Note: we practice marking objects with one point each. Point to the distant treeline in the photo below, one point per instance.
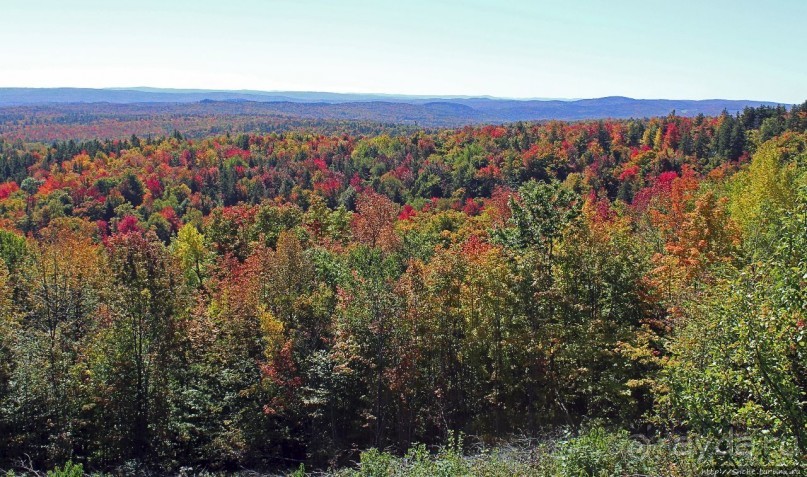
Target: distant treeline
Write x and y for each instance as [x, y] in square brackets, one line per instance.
[88, 120]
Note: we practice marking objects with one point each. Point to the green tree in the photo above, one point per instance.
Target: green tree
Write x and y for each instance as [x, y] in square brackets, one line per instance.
[137, 358]
[60, 294]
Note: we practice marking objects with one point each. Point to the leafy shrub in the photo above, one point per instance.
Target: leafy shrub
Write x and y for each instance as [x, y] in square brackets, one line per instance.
[69, 470]
[600, 453]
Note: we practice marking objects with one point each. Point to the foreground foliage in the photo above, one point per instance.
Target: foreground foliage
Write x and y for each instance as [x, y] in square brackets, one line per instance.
[596, 452]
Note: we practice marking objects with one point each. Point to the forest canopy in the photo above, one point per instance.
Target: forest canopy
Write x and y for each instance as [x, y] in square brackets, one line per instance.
[265, 300]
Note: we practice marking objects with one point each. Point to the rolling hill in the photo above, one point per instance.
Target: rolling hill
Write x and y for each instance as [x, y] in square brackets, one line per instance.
[420, 110]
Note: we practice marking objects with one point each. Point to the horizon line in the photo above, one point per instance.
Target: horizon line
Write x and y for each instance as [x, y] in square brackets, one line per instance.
[178, 90]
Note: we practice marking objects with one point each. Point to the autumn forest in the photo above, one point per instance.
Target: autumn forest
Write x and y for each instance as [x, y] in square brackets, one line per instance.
[598, 297]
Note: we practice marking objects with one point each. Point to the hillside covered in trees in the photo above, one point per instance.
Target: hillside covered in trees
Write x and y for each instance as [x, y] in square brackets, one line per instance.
[80, 114]
[266, 300]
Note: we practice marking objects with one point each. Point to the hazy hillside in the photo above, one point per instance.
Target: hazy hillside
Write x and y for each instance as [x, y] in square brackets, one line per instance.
[426, 111]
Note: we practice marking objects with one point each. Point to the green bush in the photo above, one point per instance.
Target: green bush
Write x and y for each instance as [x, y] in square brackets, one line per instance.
[69, 470]
[374, 463]
[598, 453]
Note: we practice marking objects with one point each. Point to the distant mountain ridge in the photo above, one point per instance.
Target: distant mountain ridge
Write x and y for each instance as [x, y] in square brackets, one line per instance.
[22, 96]
[422, 110]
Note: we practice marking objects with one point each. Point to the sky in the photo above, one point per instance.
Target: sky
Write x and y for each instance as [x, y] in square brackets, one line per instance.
[679, 49]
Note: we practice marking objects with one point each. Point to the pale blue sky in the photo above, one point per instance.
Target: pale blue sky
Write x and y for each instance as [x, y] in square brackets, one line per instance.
[736, 49]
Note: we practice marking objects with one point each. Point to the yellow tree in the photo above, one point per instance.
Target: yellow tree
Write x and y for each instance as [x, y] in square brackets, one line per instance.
[189, 247]
[767, 187]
